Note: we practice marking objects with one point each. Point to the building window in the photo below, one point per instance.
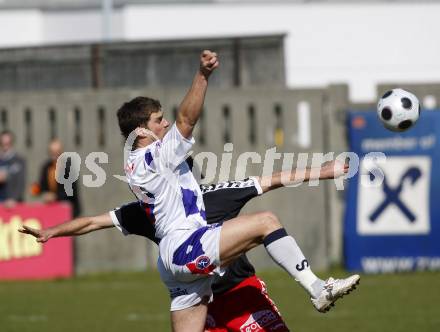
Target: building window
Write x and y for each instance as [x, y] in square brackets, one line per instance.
[52, 123]
[227, 124]
[101, 126]
[278, 131]
[28, 127]
[4, 119]
[77, 139]
[252, 120]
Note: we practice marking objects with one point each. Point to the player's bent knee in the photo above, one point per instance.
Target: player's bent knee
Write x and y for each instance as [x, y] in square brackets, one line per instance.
[269, 222]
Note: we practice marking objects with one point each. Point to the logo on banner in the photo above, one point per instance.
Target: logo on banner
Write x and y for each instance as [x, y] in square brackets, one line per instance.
[392, 195]
[400, 204]
[15, 245]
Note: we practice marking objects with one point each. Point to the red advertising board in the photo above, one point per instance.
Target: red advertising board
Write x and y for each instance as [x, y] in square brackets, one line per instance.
[21, 257]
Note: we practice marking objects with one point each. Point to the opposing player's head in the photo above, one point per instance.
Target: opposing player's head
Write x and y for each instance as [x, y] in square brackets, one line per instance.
[142, 112]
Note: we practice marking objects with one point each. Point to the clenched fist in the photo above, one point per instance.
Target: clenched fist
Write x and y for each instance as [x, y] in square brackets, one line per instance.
[208, 62]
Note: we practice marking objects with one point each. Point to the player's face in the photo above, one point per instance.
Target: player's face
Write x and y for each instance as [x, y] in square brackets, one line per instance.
[158, 124]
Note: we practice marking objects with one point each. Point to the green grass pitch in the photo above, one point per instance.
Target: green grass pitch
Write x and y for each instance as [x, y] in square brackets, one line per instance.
[138, 302]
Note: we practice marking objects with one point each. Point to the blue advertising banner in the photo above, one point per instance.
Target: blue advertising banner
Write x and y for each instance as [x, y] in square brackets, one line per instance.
[392, 219]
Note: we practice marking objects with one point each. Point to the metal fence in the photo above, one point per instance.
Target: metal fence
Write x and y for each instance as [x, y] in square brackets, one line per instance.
[247, 61]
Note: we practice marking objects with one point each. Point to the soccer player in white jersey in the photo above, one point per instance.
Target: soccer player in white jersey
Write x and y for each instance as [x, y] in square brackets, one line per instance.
[241, 300]
[190, 251]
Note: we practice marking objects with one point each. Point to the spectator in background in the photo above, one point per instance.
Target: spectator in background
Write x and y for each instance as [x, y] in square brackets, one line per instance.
[50, 189]
[12, 171]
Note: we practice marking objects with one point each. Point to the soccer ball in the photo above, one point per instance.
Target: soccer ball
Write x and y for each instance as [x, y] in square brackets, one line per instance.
[398, 109]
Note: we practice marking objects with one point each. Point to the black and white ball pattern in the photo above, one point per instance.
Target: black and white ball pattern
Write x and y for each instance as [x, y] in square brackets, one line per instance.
[398, 109]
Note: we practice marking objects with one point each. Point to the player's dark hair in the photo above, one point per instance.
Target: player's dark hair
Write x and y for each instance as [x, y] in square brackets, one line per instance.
[136, 113]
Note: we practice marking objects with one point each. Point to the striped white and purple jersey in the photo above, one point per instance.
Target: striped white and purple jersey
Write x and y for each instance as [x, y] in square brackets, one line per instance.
[223, 201]
[159, 177]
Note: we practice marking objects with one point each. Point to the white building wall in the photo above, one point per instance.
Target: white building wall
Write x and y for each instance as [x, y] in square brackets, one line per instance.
[21, 27]
[361, 44]
[74, 26]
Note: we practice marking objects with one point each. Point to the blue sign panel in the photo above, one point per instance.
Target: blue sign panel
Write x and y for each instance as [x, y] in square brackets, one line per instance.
[392, 220]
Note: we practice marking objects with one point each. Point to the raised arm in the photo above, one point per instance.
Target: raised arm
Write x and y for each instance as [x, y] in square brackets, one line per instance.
[192, 104]
[330, 170]
[78, 226]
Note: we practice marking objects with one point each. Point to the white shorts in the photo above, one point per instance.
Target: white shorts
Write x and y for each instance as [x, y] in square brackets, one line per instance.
[187, 261]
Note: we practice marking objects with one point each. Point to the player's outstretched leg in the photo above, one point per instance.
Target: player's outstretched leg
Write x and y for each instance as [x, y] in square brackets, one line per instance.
[243, 233]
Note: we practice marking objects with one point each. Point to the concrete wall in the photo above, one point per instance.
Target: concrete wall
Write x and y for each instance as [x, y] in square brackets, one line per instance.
[301, 209]
[312, 120]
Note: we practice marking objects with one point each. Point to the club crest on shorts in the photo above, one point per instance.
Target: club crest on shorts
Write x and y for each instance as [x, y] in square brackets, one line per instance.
[202, 265]
[202, 262]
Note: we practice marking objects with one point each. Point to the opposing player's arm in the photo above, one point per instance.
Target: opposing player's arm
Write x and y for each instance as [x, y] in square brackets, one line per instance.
[329, 170]
[78, 226]
[192, 104]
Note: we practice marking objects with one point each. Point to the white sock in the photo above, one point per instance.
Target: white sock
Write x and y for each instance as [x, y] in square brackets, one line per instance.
[284, 250]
